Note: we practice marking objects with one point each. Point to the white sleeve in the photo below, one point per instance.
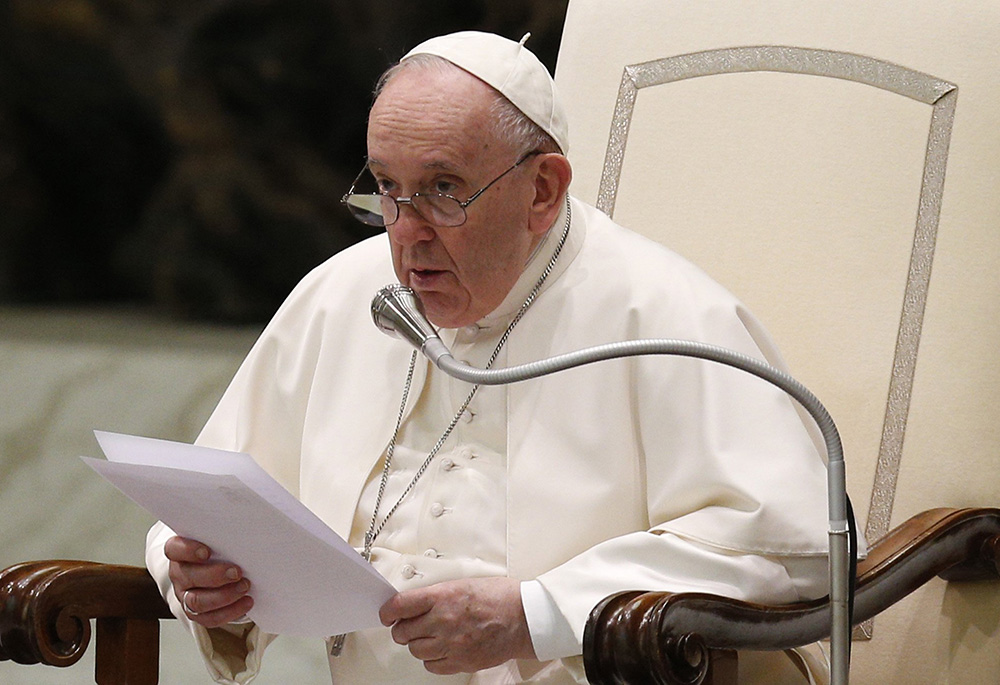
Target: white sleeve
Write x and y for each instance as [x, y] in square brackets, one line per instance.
[551, 635]
[670, 563]
[231, 654]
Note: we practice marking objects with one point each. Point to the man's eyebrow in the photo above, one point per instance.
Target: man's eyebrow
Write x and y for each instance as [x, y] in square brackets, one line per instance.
[436, 165]
[443, 166]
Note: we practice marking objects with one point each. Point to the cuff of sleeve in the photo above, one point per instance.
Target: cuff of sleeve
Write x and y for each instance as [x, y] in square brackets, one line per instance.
[232, 661]
[551, 635]
[235, 661]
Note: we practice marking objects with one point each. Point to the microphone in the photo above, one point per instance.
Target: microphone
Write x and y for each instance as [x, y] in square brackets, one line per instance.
[396, 311]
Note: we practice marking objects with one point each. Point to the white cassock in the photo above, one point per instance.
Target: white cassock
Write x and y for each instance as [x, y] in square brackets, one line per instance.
[655, 473]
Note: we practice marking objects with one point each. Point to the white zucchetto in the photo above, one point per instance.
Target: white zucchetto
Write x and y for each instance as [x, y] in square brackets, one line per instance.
[510, 68]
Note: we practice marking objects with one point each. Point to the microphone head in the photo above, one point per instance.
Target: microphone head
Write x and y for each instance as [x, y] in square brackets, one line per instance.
[396, 311]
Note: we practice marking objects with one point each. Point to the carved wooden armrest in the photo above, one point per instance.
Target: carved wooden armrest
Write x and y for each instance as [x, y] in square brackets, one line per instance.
[642, 637]
[46, 607]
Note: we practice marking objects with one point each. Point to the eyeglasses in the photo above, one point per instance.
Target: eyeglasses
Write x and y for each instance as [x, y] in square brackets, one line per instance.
[381, 209]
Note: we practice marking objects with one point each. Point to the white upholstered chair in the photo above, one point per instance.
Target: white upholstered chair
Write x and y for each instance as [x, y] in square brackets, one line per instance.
[818, 158]
[837, 166]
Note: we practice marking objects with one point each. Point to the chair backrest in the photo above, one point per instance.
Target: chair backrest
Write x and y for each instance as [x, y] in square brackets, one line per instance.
[837, 166]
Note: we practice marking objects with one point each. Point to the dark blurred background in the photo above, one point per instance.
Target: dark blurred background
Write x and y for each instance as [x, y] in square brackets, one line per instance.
[189, 155]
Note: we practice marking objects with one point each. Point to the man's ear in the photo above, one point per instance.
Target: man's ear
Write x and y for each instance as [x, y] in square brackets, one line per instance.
[551, 184]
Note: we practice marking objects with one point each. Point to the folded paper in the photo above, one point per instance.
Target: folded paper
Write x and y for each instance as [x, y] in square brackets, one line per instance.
[306, 580]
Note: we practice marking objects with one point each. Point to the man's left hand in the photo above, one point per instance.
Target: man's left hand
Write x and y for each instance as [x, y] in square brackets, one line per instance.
[461, 626]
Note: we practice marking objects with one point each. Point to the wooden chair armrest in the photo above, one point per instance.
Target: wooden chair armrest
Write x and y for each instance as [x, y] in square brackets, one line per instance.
[46, 607]
[630, 636]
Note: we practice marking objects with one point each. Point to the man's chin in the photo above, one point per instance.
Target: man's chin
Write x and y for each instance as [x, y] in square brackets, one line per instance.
[443, 312]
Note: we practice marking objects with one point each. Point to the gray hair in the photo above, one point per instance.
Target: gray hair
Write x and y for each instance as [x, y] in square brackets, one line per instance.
[510, 124]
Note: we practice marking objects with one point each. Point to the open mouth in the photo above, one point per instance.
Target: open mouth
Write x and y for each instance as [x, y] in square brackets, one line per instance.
[425, 277]
[422, 272]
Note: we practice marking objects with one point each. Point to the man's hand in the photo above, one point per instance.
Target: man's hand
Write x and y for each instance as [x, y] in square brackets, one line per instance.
[461, 626]
[213, 593]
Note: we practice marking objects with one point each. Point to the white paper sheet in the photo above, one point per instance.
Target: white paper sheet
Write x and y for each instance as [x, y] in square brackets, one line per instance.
[305, 579]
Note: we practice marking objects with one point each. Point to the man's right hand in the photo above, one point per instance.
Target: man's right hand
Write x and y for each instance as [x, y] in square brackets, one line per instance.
[213, 593]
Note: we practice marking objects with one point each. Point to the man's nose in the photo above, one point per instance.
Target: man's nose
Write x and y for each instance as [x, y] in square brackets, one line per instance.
[410, 227]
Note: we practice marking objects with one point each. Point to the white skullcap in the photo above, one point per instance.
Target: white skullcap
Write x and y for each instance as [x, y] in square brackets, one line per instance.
[508, 67]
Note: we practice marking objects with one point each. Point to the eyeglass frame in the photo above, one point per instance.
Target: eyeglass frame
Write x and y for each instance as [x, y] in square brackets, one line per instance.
[409, 200]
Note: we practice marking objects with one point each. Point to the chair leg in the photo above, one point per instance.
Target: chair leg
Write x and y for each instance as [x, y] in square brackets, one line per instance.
[128, 652]
[724, 667]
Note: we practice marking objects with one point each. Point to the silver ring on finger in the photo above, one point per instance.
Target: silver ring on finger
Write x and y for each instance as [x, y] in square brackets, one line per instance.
[184, 603]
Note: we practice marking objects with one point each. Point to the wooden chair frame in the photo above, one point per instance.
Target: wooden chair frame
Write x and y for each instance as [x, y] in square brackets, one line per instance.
[46, 608]
[631, 638]
[659, 638]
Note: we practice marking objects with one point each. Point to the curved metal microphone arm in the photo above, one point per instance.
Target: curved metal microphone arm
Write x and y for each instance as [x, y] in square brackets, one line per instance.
[398, 306]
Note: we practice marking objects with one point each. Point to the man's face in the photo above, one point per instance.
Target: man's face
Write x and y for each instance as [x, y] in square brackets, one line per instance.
[429, 131]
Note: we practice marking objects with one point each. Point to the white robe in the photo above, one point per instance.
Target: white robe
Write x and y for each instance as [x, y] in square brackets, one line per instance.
[659, 473]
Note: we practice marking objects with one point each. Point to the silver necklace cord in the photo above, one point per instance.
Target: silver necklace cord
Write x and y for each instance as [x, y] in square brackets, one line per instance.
[376, 526]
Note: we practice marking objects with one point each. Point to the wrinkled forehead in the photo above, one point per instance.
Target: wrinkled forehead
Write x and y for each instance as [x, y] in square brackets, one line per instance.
[428, 79]
[427, 106]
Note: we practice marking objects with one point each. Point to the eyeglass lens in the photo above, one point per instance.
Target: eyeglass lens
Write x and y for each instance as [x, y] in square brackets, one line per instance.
[383, 210]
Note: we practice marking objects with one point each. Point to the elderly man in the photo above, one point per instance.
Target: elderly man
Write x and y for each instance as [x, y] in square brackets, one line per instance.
[504, 514]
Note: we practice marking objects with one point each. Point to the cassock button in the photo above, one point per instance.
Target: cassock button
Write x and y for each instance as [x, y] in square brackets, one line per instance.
[471, 330]
[448, 464]
[437, 509]
[467, 416]
[408, 572]
[431, 553]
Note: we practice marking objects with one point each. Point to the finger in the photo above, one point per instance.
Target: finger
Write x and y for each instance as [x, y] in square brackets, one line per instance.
[406, 631]
[191, 565]
[186, 550]
[443, 667]
[404, 605]
[217, 606]
[212, 574]
[428, 649]
[229, 614]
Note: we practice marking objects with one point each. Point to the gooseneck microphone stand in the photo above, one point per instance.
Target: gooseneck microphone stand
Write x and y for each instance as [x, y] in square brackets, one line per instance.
[396, 311]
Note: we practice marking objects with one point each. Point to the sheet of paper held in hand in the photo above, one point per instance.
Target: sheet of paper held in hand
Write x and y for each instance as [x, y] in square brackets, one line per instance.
[305, 579]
